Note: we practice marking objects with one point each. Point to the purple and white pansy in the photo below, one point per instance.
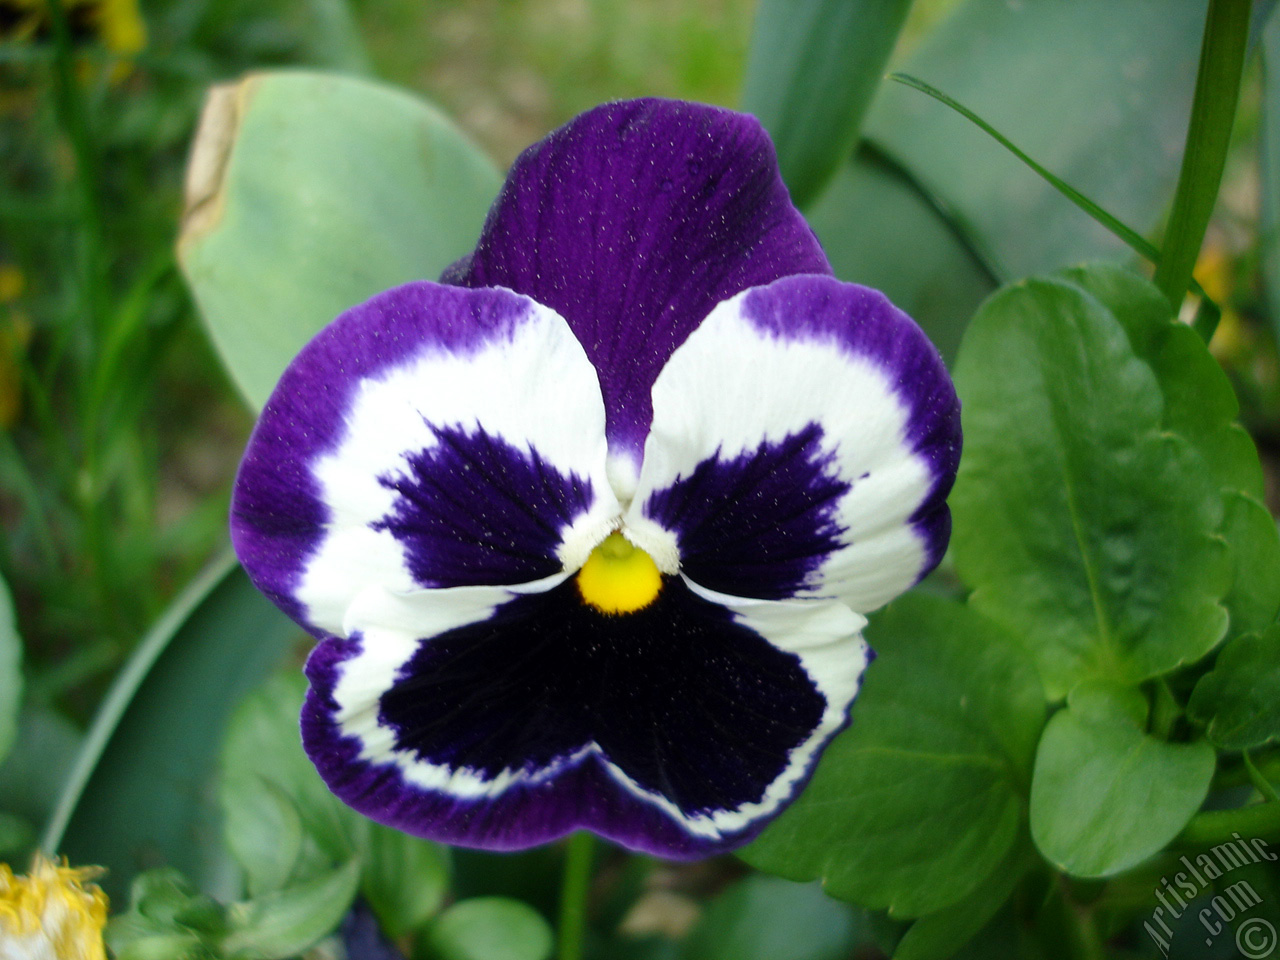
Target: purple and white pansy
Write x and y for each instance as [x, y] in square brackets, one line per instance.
[588, 529]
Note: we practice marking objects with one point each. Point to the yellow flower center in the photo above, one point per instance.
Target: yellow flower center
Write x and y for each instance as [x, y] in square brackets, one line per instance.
[619, 577]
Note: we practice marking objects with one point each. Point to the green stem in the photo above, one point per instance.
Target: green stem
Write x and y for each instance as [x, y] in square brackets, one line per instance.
[1208, 136]
[1165, 710]
[1266, 762]
[1084, 941]
[1260, 782]
[573, 895]
[1259, 820]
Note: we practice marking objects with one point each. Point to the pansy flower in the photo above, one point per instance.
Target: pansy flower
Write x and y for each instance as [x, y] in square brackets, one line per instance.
[588, 529]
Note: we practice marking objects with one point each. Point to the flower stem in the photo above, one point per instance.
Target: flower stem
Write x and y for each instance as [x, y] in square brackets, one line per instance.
[573, 895]
[1260, 820]
[1208, 135]
[1260, 782]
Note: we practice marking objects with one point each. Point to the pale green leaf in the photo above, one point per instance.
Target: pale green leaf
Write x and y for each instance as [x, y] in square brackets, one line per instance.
[307, 194]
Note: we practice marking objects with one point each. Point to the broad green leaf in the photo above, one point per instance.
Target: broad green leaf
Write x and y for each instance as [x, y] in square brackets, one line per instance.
[1081, 522]
[33, 774]
[1199, 401]
[167, 920]
[916, 804]
[812, 70]
[10, 672]
[1254, 600]
[1101, 700]
[1096, 91]
[405, 879]
[1200, 405]
[490, 928]
[879, 231]
[309, 193]
[1238, 701]
[937, 936]
[763, 918]
[263, 831]
[138, 795]
[263, 744]
[130, 943]
[283, 923]
[164, 896]
[1105, 795]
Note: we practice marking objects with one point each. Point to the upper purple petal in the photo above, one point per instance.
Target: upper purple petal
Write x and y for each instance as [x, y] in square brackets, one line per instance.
[632, 222]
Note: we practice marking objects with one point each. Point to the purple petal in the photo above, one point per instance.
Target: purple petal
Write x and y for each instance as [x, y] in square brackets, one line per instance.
[433, 436]
[632, 222]
[804, 441]
[679, 730]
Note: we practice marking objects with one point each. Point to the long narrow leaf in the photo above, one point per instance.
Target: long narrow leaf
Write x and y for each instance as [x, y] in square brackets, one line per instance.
[1207, 317]
[1208, 137]
[138, 795]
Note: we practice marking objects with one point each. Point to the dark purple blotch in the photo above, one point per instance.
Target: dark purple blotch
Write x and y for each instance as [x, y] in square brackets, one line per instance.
[686, 701]
[759, 524]
[474, 509]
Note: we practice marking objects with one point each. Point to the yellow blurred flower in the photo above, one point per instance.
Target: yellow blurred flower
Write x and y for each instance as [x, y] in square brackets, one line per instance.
[52, 914]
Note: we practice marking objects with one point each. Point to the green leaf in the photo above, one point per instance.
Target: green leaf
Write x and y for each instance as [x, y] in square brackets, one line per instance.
[1238, 701]
[1081, 522]
[130, 943]
[263, 831]
[1254, 600]
[351, 186]
[812, 70]
[263, 744]
[33, 775]
[490, 928]
[405, 879]
[1199, 401]
[916, 804]
[10, 672]
[167, 920]
[878, 230]
[1105, 795]
[165, 897]
[1213, 113]
[937, 936]
[1200, 405]
[138, 795]
[1096, 91]
[763, 918]
[265, 769]
[285, 922]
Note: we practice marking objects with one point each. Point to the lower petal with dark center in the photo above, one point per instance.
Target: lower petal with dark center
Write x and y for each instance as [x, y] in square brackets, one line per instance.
[678, 730]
